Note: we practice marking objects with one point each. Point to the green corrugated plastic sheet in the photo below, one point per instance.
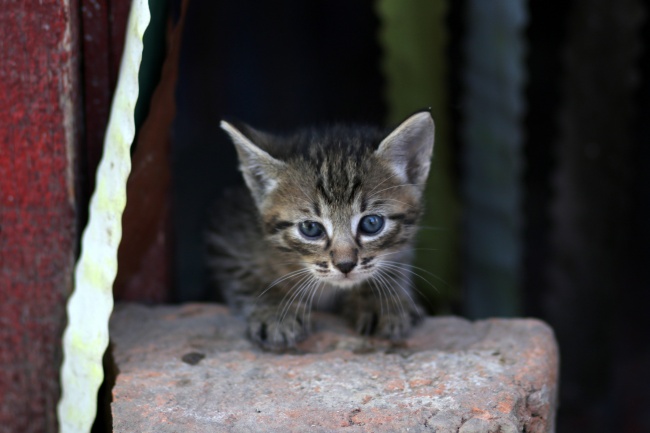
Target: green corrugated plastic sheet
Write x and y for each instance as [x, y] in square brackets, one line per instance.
[90, 305]
[493, 107]
[414, 39]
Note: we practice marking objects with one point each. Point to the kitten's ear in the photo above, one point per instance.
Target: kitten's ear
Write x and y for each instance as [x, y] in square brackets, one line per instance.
[409, 147]
[259, 168]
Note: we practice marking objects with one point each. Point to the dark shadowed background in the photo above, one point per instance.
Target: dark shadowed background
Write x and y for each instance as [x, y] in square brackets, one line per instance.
[538, 202]
[573, 147]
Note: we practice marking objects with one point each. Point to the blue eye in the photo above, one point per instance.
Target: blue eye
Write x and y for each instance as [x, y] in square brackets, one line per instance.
[311, 229]
[371, 224]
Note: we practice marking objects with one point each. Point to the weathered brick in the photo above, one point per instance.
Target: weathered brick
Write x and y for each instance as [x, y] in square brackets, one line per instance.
[189, 369]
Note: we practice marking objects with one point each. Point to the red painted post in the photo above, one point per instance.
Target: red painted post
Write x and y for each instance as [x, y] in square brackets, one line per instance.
[102, 42]
[98, 85]
[39, 118]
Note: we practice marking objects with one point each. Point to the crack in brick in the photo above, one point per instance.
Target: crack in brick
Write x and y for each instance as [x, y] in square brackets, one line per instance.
[351, 415]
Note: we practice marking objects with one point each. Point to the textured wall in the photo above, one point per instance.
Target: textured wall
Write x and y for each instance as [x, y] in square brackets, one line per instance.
[39, 108]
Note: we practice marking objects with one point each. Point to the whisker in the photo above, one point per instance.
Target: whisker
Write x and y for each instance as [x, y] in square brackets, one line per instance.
[294, 295]
[382, 182]
[306, 194]
[398, 201]
[390, 290]
[304, 298]
[419, 269]
[378, 292]
[406, 250]
[404, 291]
[396, 186]
[402, 270]
[412, 285]
[317, 289]
[283, 278]
[304, 303]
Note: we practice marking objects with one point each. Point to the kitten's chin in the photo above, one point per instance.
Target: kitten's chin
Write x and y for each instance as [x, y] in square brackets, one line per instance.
[345, 282]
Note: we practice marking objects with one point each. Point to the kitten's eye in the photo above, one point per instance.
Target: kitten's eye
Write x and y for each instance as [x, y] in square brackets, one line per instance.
[311, 229]
[371, 224]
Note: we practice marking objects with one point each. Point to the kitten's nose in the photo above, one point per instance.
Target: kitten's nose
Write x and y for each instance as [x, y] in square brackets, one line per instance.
[345, 267]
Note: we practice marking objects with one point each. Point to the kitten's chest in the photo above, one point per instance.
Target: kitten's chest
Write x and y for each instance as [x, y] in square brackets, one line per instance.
[328, 298]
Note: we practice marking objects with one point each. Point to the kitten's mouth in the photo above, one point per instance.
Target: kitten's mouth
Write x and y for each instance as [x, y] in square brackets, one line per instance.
[345, 281]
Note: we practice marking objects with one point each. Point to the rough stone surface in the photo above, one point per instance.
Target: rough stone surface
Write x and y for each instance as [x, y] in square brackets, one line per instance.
[189, 369]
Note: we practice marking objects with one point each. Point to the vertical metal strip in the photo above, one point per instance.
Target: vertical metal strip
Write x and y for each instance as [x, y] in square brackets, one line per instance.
[86, 336]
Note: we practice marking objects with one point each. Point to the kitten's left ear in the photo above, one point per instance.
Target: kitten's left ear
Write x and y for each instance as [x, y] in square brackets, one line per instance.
[409, 147]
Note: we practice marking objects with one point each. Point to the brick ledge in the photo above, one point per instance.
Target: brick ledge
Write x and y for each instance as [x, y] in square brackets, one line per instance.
[188, 369]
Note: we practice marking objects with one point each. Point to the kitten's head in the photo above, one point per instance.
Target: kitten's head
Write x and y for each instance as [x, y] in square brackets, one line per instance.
[341, 200]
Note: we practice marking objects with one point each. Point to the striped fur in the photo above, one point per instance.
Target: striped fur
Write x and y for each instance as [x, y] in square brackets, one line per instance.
[273, 273]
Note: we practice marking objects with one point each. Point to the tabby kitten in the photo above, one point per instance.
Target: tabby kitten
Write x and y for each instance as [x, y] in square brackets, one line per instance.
[330, 214]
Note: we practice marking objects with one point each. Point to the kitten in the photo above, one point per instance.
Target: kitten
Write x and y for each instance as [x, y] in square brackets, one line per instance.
[330, 211]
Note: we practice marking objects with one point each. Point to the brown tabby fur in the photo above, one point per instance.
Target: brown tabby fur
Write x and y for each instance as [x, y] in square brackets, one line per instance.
[272, 274]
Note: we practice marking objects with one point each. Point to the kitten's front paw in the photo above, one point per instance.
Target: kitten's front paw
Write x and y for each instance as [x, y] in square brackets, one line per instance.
[393, 325]
[266, 329]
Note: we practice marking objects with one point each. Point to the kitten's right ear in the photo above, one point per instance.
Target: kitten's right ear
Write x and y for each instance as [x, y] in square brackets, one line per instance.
[259, 168]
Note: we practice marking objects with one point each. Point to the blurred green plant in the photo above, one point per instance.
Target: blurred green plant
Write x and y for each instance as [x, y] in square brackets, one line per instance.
[414, 40]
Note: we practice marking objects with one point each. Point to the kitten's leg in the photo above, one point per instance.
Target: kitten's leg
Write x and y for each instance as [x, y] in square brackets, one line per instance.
[277, 321]
[385, 307]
